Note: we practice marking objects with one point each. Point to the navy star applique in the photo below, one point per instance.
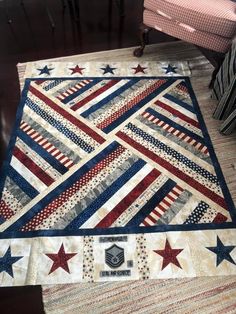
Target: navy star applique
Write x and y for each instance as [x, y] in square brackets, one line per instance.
[169, 255]
[170, 69]
[108, 69]
[139, 69]
[77, 69]
[45, 70]
[60, 259]
[222, 252]
[7, 261]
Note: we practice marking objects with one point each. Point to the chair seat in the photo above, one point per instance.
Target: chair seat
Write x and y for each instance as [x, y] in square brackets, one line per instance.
[212, 16]
[199, 38]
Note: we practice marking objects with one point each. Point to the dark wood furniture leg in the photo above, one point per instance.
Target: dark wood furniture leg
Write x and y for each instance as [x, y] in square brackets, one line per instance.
[144, 32]
[216, 59]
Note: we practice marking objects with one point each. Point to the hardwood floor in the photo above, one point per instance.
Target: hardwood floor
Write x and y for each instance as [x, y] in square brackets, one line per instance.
[27, 34]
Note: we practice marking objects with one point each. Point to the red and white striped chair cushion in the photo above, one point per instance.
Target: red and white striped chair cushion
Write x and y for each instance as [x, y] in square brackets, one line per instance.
[213, 16]
[204, 39]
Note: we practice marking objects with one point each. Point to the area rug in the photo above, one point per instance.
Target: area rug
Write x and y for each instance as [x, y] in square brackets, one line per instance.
[111, 175]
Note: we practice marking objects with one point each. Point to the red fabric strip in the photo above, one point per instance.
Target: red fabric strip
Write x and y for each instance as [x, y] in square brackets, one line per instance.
[128, 200]
[177, 113]
[175, 171]
[96, 93]
[65, 196]
[133, 102]
[67, 115]
[31, 165]
[5, 211]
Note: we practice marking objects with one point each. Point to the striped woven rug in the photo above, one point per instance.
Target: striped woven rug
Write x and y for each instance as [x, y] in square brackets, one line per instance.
[111, 175]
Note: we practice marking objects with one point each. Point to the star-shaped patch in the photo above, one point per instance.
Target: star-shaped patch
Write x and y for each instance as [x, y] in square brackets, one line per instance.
[108, 69]
[60, 259]
[139, 69]
[77, 69]
[7, 261]
[170, 69]
[45, 70]
[222, 252]
[169, 255]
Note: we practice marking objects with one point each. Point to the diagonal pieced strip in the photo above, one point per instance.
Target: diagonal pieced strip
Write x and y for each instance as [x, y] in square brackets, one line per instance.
[174, 170]
[178, 114]
[118, 195]
[125, 202]
[95, 94]
[151, 116]
[103, 197]
[66, 115]
[152, 203]
[162, 207]
[71, 92]
[129, 105]
[36, 214]
[55, 153]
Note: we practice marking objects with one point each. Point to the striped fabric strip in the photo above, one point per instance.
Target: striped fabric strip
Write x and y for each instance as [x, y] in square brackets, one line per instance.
[182, 128]
[105, 100]
[94, 94]
[44, 148]
[66, 115]
[37, 213]
[110, 218]
[182, 136]
[173, 153]
[72, 92]
[117, 120]
[151, 204]
[183, 176]
[162, 207]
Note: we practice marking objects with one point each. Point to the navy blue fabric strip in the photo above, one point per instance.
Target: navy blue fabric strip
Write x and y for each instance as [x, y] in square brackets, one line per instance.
[174, 154]
[116, 230]
[62, 187]
[218, 170]
[105, 100]
[24, 185]
[52, 84]
[179, 102]
[42, 152]
[2, 220]
[59, 126]
[151, 204]
[175, 125]
[139, 105]
[80, 91]
[104, 197]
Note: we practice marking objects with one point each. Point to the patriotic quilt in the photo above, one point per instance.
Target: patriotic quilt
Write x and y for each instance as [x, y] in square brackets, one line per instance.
[111, 175]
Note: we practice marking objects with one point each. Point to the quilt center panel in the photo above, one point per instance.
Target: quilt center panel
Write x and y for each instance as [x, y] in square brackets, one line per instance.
[122, 152]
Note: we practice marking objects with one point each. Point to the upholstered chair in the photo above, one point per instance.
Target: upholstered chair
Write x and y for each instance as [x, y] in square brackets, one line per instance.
[209, 24]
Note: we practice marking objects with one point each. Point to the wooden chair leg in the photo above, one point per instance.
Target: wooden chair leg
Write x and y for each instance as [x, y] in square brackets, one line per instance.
[216, 59]
[144, 32]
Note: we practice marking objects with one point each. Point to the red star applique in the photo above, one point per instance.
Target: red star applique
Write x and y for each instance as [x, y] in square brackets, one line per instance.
[169, 255]
[77, 69]
[60, 259]
[139, 69]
